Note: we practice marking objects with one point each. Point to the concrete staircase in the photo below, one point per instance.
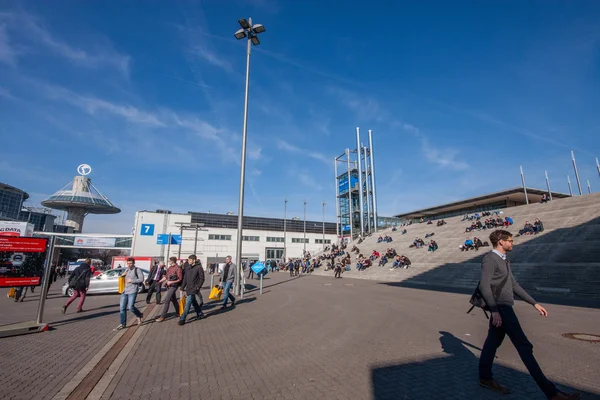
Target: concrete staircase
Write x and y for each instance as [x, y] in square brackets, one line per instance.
[564, 259]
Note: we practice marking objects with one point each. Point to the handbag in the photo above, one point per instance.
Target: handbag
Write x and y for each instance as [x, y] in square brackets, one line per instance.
[215, 293]
[121, 284]
[182, 304]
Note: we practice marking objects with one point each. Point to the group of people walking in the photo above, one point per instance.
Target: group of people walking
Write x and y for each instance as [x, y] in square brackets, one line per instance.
[187, 278]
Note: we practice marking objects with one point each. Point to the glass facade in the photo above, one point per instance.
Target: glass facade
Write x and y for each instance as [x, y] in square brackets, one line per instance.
[260, 223]
[11, 202]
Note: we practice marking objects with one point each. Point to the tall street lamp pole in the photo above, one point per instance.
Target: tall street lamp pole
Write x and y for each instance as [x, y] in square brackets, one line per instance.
[250, 31]
[324, 226]
[284, 229]
[304, 255]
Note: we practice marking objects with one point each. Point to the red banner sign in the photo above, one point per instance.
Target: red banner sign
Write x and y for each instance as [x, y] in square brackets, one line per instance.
[23, 244]
[22, 261]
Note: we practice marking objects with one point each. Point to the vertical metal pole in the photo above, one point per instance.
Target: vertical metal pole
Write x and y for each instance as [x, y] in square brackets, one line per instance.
[360, 183]
[368, 195]
[589, 187]
[373, 180]
[284, 229]
[261, 283]
[196, 240]
[576, 173]
[181, 242]
[323, 226]
[337, 205]
[46, 282]
[598, 166]
[350, 196]
[238, 284]
[169, 248]
[524, 188]
[548, 184]
[304, 229]
[570, 188]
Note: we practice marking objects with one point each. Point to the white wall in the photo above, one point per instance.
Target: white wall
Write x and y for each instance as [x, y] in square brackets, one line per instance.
[145, 245]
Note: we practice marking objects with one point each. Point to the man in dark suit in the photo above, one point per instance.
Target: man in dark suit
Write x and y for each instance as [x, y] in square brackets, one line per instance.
[156, 274]
[498, 287]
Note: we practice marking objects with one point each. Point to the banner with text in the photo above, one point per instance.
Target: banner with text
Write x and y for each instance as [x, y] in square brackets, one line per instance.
[22, 261]
[87, 241]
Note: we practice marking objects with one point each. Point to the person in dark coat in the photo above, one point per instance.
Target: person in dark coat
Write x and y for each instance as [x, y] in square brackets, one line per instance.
[79, 281]
[193, 279]
[157, 272]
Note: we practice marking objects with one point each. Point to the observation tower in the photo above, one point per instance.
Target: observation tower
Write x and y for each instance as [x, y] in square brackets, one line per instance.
[80, 198]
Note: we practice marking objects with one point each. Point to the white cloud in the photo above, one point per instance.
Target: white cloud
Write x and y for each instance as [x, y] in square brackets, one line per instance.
[6, 93]
[365, 107]
[309, 181]
[254, 153]
[101, 56]
[212, 58]
[290, 148]
[444, 157]
[7, 53]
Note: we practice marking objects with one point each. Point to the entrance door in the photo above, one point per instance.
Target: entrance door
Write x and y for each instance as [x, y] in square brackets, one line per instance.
[274, 254]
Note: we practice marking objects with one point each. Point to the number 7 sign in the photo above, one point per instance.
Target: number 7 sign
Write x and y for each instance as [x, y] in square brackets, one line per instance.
[147, 230]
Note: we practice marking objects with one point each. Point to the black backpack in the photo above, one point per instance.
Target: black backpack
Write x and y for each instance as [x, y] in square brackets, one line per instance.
[477, 299]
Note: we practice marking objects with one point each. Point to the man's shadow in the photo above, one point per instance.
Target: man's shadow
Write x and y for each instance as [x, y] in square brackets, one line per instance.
[453, 375]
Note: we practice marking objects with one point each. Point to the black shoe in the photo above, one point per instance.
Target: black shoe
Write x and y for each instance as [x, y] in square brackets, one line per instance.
[223, 307]
[233, 303]
[493, 385]
[199, 316]
[181, 322]
[64, 309]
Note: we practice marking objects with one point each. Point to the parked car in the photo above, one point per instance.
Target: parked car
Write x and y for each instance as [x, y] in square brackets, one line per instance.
[107, 282]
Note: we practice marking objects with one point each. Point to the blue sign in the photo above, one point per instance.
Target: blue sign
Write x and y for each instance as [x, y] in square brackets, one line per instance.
[343, 183]
[260, 269]
[176, 239]
[345, 228]
[147, 230]
[164, 239]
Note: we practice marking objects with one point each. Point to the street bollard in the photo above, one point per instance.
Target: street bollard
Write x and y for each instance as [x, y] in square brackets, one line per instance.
[261, 283]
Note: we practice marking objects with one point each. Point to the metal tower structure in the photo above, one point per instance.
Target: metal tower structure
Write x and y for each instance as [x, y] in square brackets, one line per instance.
[355, 190]
[80, 198]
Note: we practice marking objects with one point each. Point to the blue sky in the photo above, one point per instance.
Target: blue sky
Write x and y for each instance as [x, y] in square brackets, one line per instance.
[458, 95]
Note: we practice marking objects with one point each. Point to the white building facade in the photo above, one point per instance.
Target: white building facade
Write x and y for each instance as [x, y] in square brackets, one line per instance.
[212, 237]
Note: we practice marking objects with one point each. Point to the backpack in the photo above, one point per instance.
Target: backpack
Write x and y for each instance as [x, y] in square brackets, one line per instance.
[477, 299]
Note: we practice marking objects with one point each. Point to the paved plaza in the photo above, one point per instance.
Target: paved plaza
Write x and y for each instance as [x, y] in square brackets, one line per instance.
[304, 338]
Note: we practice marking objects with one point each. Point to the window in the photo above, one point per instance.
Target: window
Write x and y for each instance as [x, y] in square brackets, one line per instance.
[320, 241]
[299, 240]
[275, 239]
[219, 237]
[251, 238]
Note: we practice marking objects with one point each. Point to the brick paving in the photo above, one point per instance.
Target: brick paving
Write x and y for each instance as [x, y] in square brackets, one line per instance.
[317, 337]
[37, 366]
[313, 337]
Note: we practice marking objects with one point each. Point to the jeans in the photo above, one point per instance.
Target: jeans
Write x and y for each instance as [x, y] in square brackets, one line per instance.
[192, 300]
[128, 302]
[226, 294]
[81, 295]
[512, 328]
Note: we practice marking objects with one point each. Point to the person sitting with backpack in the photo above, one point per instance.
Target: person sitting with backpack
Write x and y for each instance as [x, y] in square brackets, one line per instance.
[79, 281]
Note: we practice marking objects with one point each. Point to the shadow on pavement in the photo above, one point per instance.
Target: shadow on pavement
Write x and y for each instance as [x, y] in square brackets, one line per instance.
[82, 317]
[454, 375]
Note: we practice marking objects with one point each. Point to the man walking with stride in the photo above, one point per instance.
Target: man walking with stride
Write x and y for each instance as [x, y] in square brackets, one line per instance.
[133, 279]
[498, 286]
